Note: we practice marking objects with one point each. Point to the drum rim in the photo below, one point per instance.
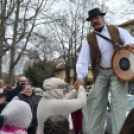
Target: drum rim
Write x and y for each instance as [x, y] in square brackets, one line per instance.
[123, 48]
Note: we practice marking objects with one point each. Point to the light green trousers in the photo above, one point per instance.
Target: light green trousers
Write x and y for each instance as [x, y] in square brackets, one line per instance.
[94, 113]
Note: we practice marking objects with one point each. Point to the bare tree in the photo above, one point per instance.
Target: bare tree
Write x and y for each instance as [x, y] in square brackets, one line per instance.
[67, 28]
[4, 47]
[18, 20]
[69, 34]
[44, 46]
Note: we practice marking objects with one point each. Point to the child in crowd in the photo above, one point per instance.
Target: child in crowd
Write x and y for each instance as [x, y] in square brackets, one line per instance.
[56, 124]
[17, 116]
[38, 93]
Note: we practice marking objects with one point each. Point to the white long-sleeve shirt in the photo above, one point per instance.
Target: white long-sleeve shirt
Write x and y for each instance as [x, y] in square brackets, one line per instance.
[106, 49]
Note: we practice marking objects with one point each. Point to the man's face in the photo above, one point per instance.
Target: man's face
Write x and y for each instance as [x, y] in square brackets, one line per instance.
[2, 83]
[97, 22]
[22, 80]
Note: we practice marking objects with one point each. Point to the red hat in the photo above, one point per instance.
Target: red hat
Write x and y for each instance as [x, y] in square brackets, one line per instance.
[8, 86]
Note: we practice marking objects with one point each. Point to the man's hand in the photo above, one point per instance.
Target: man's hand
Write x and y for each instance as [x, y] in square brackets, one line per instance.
[78, 82]
[2, 100]
[130, 45]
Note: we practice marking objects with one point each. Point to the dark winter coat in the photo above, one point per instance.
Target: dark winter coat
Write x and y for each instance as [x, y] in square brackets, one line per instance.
[13, 92]
[33, 102]
[3, 95]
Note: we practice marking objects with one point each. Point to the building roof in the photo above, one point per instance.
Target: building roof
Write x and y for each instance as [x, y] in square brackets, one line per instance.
[60, 65]
[127, 22]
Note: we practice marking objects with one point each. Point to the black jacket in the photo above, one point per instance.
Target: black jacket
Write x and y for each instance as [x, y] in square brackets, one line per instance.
[3, 95]
[14, 92]
[33, 102]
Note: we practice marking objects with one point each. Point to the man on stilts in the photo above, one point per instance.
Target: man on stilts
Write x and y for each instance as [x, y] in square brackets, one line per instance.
[98, 51]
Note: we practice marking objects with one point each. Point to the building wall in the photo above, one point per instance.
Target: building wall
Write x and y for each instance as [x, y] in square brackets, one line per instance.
[61, 74]
[129, 27]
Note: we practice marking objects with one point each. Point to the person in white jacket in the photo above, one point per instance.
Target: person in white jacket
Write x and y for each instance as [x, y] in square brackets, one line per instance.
[53, 101]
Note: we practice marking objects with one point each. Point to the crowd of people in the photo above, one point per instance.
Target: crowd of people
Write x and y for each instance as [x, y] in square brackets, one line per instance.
[25, 112]
[22, 108]
[19, 116]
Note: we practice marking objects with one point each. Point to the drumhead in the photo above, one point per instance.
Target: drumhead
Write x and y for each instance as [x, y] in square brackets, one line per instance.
[123, 64]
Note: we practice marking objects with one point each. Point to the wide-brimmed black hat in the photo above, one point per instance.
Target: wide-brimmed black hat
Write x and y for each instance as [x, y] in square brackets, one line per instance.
[94, 12]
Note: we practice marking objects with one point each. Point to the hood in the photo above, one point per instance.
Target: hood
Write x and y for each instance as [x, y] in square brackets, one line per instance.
[53, 94]
[21, 92]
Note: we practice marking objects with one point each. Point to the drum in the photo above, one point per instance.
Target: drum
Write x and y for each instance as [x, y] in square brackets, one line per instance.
[123, 63]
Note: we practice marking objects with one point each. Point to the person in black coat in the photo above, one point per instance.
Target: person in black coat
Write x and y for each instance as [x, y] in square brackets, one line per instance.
[15, 91]
[3, 92]
[26, 95]
[2, 119]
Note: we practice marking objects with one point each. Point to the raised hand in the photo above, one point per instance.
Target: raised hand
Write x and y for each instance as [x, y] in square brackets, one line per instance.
[78, 82]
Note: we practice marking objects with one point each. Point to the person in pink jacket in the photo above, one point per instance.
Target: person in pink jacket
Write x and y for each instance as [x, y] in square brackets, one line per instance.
[17, 116]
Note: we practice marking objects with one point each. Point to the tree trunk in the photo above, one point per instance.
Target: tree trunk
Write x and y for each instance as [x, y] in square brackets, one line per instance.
[0, 67]
[85, 82]
[67, 69]
[11, 67]
[75, 75]
[10, 76]
[74, 68]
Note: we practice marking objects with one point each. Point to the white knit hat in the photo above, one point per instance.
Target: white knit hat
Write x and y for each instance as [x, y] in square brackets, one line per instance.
[17, 114]
[54, 83]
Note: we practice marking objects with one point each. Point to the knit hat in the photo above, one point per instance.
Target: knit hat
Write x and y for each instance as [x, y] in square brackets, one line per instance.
[8, 86]
[38, 92]
[17, 114]
[54, 83]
